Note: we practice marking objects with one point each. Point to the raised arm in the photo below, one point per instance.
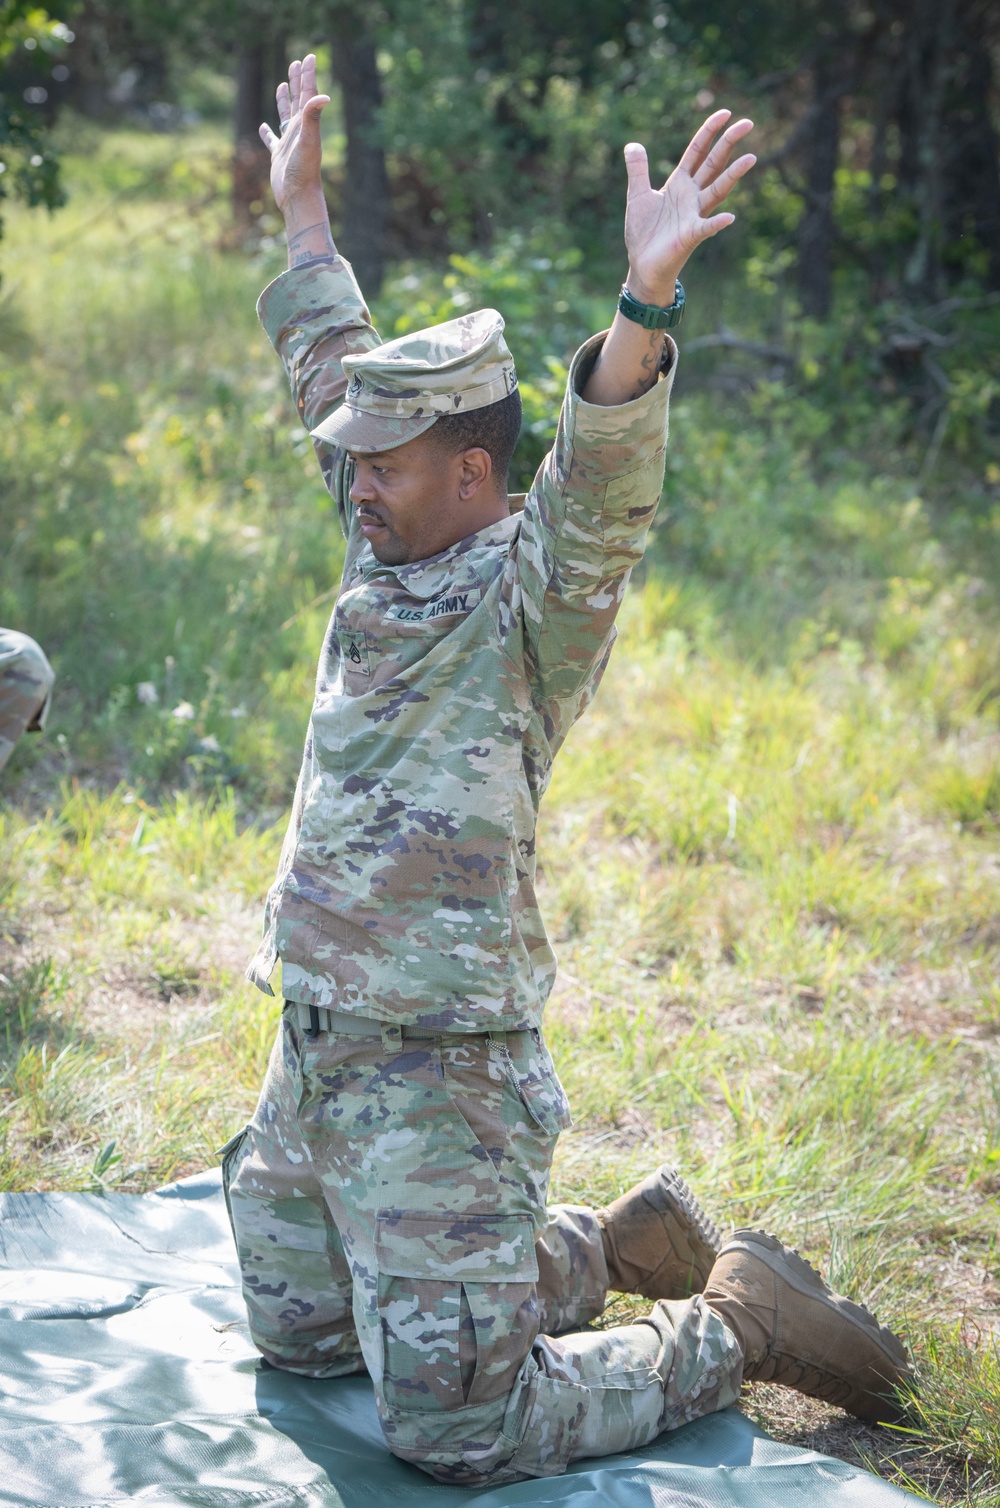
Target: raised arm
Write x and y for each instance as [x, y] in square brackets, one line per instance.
[662, 228]
[586, 517]
[314, 313]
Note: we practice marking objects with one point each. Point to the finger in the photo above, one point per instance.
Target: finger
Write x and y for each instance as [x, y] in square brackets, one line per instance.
[700, 144]
[721, 152]
[294, 83]
[269, 139]
[307, 83]
[637, 168]
[711, 197]
[710, 228]
[312, 110]
[284, 103]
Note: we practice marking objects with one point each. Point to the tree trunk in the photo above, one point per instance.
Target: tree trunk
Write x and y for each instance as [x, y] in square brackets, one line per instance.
[930, 65]
[365, 217]
[260, 67]
[814, 268]
[972, 170]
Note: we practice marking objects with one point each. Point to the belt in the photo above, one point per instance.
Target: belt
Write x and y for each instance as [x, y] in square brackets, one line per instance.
[316, 1018]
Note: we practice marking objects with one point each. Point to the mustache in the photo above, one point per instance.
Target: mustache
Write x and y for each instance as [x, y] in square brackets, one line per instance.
[363, 511]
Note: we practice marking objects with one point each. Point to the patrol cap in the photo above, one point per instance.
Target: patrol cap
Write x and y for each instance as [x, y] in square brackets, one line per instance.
[396, 391]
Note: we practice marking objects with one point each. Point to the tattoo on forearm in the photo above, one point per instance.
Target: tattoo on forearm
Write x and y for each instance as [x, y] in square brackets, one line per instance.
[309, 256]
[608, 372]
[299, 235]
[297, 253]
[650, 366]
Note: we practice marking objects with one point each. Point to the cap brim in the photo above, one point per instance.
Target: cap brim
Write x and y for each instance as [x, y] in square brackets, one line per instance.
[354, 429]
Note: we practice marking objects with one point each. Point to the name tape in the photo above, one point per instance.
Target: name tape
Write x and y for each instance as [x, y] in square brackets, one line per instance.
[441, 607]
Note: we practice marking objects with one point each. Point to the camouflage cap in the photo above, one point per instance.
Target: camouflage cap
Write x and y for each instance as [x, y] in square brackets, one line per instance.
[396, 391]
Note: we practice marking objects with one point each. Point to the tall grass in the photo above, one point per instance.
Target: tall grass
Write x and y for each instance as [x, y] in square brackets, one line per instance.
[769, 850]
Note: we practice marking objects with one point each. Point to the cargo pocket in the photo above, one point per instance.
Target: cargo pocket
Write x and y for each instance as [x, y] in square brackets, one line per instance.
[457, 1307]
[266, 1221]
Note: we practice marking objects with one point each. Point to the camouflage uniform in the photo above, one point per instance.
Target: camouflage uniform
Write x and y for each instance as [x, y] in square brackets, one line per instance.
[26, 681]
[406, 886]
[389, 1195]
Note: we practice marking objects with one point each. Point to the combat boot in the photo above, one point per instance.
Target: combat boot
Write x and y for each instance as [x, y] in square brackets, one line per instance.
[794, 1330]
[658, 1241]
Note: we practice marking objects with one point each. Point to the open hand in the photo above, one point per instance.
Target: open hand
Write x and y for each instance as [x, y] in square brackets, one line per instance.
[663, 226]
[296, 154]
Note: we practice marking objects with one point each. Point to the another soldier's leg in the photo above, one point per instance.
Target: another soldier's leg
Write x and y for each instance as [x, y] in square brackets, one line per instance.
[26, 679]
[438, 1187]
[296, 1281]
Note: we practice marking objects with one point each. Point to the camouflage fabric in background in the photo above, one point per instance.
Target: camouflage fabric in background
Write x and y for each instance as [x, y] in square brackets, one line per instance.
[26, 681]
[390, 1214]
[406, 886]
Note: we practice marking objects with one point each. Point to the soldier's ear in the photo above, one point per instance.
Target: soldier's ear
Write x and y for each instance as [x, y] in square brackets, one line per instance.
[475, 471]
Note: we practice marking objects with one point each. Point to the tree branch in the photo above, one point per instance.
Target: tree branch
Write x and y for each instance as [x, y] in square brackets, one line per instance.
[726, 340]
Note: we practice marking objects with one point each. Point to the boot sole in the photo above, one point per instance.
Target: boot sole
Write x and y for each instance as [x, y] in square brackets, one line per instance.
[685, 1208]
[799, 1274]
[694, 1237]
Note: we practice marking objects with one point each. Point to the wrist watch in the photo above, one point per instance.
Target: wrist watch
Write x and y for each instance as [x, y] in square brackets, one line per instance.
[653, 316]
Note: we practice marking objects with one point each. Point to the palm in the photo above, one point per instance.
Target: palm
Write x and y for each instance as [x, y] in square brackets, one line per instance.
[661, 220]
[297, 153]
[664, 226]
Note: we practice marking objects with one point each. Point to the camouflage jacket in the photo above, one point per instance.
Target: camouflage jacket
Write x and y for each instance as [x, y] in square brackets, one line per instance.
[406, 887]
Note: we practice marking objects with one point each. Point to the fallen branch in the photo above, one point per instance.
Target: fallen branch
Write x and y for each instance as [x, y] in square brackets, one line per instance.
[726, 340]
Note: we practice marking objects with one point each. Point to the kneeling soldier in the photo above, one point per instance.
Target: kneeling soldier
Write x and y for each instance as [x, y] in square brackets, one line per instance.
[389, 1195]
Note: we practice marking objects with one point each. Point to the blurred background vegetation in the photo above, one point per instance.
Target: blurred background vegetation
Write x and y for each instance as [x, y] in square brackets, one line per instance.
[836, 473]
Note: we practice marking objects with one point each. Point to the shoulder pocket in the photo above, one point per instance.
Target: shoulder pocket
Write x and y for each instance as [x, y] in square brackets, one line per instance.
[629, 508]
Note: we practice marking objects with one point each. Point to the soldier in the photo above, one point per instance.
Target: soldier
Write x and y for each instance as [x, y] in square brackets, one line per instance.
[389, 1195]
[26, 682]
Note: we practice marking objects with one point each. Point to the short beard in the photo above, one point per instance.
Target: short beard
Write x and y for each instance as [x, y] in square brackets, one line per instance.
[392, 551]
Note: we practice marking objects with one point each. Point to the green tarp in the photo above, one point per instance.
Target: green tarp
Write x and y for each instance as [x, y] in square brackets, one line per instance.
[127, 1375]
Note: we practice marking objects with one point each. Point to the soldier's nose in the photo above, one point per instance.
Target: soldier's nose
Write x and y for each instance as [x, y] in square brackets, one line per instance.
[361, 490]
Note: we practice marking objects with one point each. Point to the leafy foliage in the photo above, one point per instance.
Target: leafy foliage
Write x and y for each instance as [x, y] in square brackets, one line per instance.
[169, 541]
[29, 166]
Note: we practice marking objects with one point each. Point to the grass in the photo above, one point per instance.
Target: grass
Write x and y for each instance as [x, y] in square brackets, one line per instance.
[769, 850]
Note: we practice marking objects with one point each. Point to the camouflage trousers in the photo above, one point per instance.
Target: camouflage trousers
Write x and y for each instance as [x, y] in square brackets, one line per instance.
[25, 682]
[388, 1200]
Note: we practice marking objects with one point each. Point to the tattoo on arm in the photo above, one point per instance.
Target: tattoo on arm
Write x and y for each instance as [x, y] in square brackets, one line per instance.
[650, 366]
[298, 253]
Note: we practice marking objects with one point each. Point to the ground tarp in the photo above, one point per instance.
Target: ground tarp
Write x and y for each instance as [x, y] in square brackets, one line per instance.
[127, 1375]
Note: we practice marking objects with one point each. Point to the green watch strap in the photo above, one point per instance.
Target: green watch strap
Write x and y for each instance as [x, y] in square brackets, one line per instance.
[652, 316]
